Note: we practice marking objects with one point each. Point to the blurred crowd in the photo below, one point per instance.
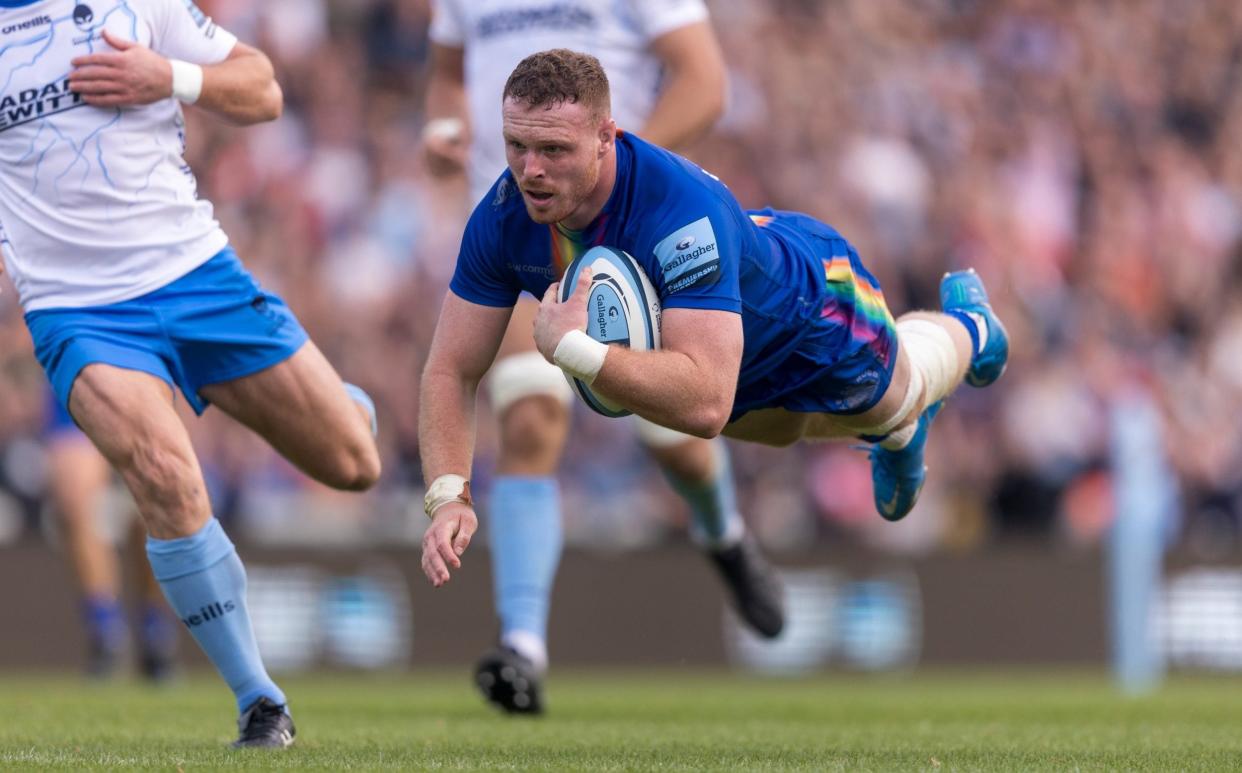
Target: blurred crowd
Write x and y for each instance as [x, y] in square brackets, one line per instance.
[1083, 157]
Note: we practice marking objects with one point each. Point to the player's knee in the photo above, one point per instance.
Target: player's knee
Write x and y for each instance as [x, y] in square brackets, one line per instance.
[684, 456]
[526, 375]
[356, 467]
[162, 479]
[532, 434]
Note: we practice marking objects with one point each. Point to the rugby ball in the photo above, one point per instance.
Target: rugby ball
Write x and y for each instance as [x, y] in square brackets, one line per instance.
[622, 308]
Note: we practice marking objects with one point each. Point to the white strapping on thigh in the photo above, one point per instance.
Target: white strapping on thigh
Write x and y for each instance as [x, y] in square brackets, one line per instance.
[526, 375]
[932, 353]
[933, 364]
[909, 402]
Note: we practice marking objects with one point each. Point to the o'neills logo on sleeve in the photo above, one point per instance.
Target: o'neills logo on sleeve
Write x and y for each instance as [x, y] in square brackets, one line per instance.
[206, 614]
[30, 104]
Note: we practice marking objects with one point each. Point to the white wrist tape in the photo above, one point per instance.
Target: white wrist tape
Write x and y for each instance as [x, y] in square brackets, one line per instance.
[443, 128]
[187, 81]
[580, 355]
[446, 489]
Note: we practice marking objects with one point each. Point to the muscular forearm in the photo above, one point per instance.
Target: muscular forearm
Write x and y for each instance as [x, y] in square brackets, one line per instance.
[242, 89]
[669, 388]
[446, 425]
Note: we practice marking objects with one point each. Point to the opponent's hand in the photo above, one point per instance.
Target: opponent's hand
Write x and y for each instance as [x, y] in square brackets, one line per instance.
[447, 150]
[446, 539]
[131, 75]
[554, 319]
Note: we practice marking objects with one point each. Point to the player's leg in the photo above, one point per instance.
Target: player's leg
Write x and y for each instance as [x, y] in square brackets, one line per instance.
[240, 347]
[129, 416]
[936, 352]
[77, 477]
[531, 399]
[155, 628]
[701, 473]
[312, 418]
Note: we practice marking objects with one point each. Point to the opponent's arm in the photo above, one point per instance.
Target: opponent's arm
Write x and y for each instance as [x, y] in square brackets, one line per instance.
[242, 88]
[446, 136]
[466, 339]
[688, 384]
[693, 95]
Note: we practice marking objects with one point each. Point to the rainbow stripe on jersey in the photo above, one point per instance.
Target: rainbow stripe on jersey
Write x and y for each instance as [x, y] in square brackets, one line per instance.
[568, 244]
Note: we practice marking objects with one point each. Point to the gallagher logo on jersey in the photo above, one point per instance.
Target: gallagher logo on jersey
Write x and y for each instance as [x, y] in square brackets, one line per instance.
[689, 257]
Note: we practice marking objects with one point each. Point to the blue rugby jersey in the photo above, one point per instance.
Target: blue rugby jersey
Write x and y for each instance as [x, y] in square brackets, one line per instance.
[789, 276]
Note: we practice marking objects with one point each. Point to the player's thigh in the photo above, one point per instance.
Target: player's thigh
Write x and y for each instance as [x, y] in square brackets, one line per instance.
[118, 407]
[530, 399]
[769, 426]
[301, 408]
[129, 416]
[894, 409]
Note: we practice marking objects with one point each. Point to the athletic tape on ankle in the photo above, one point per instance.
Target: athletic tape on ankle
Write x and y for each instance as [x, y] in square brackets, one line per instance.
[580, 355]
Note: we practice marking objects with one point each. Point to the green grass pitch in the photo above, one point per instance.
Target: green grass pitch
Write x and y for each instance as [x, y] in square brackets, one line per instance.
[640, 720]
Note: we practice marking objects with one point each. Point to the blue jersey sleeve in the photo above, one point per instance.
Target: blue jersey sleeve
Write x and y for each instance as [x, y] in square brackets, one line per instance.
[697, 254]
[482, 276]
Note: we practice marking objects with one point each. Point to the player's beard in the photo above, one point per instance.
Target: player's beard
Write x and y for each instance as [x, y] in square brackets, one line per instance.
[565, 202]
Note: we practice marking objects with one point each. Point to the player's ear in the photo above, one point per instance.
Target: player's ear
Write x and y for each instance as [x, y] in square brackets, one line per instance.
[607, 135]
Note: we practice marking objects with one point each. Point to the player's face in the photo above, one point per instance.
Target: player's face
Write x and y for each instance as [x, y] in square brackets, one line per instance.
[556, 154]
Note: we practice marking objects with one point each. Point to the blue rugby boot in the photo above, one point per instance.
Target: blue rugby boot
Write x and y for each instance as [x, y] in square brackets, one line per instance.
[963, 296]
[897, 476]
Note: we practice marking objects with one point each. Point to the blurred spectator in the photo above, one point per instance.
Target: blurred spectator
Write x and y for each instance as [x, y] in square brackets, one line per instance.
[1098, 190]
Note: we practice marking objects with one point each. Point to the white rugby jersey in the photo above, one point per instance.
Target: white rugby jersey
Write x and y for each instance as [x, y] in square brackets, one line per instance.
[497, 34]
[97, 205]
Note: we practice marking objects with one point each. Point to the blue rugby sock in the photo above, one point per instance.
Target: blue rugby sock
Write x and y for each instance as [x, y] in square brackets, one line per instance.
[205, 584]
[156, 631]
[972, 327]
[715, 522]
[525, 528]
[105, 624]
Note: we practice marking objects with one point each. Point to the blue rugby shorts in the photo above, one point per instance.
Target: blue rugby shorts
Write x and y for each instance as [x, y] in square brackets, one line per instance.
[214, 324]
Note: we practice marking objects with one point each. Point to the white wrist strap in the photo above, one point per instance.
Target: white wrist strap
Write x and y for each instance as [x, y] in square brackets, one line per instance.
[445, 489]
[187, 81]
[580, 355]
[443, 128]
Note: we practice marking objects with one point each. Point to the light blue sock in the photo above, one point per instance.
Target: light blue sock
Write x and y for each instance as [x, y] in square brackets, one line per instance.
[360, 396]
[205, 583]
[715, 521]
[525, 528]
